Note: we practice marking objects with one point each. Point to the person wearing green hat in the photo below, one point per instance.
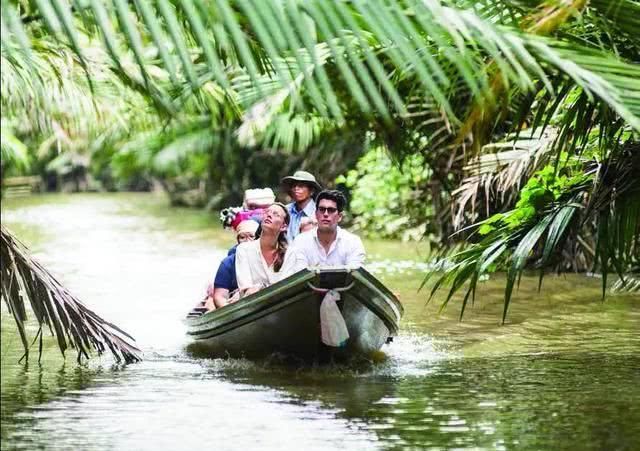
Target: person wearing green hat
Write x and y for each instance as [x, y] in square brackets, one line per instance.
[302, 188]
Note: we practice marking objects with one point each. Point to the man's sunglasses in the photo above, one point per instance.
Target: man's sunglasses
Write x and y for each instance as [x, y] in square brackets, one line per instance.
[330, 210]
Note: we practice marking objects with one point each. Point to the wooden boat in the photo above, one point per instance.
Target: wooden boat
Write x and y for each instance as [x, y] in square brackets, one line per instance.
[285, 318]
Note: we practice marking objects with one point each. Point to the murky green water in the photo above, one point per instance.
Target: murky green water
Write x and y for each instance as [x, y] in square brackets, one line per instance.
[564, 373]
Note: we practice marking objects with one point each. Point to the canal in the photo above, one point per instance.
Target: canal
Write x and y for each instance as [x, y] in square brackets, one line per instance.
[563, 373]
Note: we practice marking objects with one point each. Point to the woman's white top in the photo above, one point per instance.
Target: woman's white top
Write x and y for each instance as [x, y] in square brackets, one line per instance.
[253, 271]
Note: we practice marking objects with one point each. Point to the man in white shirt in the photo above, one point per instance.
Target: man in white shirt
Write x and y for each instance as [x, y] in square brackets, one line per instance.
[328, 244]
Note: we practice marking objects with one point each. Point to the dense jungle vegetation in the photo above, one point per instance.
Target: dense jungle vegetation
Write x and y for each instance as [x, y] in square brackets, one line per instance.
[503, 131]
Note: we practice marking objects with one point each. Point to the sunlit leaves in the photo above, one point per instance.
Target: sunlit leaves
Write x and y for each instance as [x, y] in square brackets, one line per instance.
[434, 43]
[14, 152]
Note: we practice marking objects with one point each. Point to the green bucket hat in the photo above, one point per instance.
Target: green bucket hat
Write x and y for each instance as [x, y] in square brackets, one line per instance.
[301, 176]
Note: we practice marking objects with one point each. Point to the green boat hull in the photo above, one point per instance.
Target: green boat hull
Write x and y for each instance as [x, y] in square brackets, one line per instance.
[285, 318]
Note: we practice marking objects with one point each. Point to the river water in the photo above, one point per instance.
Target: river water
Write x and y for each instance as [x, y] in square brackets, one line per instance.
[563, 373]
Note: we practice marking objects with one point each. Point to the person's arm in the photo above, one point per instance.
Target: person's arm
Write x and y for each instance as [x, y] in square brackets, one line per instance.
[220, 297]
[243, 268]
[357, 254]
[297, 257]
[293, 262]
[221, 284]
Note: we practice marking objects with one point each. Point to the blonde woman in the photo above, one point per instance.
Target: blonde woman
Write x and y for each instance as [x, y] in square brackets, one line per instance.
[261, 263]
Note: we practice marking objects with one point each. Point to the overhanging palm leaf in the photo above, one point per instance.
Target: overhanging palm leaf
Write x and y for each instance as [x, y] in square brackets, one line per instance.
[606, 195]
[296, 134]
[505, 248]
[73, 324]
[389, 36]
[43, 93]
[261, 112]
[616, 204]
[494, 177]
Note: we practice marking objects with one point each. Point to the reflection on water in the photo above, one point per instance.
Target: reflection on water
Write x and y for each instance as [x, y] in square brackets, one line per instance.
[533, 402]
[566, 379]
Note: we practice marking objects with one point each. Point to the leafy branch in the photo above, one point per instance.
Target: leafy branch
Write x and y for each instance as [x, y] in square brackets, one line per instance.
[72, 323]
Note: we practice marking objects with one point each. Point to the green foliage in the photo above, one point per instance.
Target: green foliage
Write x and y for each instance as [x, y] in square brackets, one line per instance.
[543, 189]
[387, 197]
[14, 152]
[539, 225]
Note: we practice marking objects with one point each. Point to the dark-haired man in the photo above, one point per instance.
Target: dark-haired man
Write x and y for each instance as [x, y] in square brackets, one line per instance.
[328, 244]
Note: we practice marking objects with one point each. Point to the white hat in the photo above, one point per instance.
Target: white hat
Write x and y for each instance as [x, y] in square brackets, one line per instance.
[248, 225]
[258, 197]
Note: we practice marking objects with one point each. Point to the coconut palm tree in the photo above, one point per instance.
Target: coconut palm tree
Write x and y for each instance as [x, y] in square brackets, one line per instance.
[442, 78]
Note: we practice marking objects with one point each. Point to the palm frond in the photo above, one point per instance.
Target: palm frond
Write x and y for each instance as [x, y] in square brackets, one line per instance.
[494, 177]
[73, 324]
[616, 204]
[438, 45]
[58, 96]
[535, 231]
[505, 248]
[13, 151]
[295, 134]
[600, 75]
[630, 283]
[623, 15]
[261, 113]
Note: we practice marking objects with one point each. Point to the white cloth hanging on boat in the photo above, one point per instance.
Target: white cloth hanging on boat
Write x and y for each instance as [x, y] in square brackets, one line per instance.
[332, 325]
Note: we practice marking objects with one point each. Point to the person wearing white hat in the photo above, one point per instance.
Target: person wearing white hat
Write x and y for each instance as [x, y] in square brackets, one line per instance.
[246, 231]
[302, 188]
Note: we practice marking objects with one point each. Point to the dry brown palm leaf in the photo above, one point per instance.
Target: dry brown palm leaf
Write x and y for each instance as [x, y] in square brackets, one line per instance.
[498, 172]
[550, 16]
[72, 323]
